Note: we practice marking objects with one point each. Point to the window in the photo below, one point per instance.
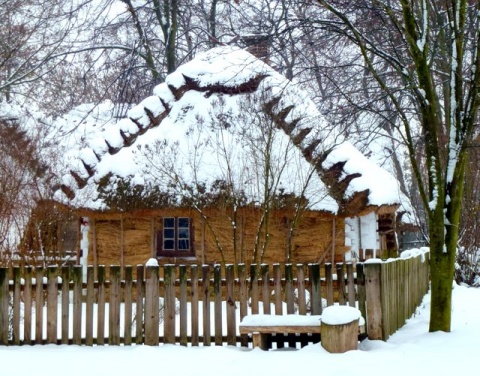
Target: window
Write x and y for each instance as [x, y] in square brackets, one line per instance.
[175, 237]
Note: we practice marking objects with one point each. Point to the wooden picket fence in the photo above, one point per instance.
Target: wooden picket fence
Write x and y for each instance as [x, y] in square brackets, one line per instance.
[188, 305]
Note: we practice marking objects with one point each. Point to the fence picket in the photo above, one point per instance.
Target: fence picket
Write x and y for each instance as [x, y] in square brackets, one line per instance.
[4, 298]
[217, 292]
[127, 304]
[169, 304]
[183, 305]
[101, 305]
[195, 324]
[89, 307]
[230, 301]
[77, 305]
[16, 306]
[39, 306]
[206, 304]
[27, 301]
[52, 304]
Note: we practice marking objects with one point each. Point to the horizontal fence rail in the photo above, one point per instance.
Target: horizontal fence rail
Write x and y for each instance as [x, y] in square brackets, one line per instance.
[188, 305]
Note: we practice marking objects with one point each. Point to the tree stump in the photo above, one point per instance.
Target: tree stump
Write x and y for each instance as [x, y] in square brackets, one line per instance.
[340, 329]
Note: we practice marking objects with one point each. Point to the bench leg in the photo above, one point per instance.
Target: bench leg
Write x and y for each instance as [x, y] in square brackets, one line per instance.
[260, 340]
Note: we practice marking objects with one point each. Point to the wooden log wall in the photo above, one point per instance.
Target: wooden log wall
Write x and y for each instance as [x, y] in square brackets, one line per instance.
[178, 304]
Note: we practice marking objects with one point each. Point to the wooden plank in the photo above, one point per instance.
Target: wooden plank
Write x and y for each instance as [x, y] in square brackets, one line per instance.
[183, 305]
[16, 305]
[101, 305]
[302, 302]
[264, 269]
[277, 282]
[315, 289]
[289, 293]
[52, 304]
[254, 288]
[77, 305]
[169, 304]
[361, 289]
[139, 316]
[114, 306]
[242, 281]
[127, 304]
[39, 305]
[4, 298]
[373, 301]
[27, 301]
[351, 285]
[217, 292]
[341, 283]
[194, 292]
[329, 283]
[151, 306]
[289, 329]
[231, 317]
[89, 307]
[65, 304]
[206, 305]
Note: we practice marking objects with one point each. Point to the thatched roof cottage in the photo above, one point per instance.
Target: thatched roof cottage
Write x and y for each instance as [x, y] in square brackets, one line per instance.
[228, 161]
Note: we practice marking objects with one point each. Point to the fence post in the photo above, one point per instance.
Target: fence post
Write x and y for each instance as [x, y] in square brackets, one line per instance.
[373, 291]
[151, 306]
[4, 298]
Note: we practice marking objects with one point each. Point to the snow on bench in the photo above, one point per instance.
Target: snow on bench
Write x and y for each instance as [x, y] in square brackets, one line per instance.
[260, 326]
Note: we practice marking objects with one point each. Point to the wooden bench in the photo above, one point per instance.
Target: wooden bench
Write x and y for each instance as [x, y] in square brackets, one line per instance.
[261, 326]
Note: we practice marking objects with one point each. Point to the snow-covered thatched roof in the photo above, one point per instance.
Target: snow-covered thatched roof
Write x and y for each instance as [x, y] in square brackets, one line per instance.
[225, 116]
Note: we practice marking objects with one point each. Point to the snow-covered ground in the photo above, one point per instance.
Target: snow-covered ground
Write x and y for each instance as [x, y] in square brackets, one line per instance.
[410, 351]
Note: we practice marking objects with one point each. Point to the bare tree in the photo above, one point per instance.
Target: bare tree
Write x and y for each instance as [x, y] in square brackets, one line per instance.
[423, 57]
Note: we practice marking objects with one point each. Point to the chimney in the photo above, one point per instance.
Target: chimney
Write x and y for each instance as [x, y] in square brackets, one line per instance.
[258, 45]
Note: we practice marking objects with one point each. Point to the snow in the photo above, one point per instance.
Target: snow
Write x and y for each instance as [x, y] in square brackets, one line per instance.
[273, 320]
[206, 137]
[410, 351]
[382, 186]
[339, 315]
[152, 262]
